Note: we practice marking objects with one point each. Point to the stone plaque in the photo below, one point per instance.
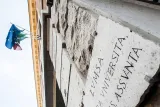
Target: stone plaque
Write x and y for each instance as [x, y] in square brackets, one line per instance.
[121, 60]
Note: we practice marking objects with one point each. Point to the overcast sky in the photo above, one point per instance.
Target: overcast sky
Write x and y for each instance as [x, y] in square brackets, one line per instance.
[17, 86]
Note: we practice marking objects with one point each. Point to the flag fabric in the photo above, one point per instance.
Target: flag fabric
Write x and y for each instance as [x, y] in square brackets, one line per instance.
[21, 35]
[21, 38]
[17, 47]
[9, 40]
[14, 37]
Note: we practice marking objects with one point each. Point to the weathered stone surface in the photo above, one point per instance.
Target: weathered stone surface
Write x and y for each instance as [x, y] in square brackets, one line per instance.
[62, 67]
[60, 15]
[63, 15]
[121, 60]
[72, 15]
[76, 93]
[51, 42]
[78, 31]
[58, 65]
[67, 76]
[104, 87]
[64, 75]
[80, 36]
[54, 14]
[54, 47]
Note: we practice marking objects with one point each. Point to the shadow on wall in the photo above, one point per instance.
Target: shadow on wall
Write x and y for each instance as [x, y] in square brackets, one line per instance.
[49, 85]
[151, 97]
[59, 98]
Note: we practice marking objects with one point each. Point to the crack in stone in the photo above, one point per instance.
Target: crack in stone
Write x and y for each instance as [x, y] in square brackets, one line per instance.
[58, 29]
[66, 18]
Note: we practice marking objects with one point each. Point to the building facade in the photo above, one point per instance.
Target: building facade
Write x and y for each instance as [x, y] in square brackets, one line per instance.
[96, 53]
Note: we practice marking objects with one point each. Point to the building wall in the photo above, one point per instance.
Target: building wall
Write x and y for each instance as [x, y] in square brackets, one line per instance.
[105, 52]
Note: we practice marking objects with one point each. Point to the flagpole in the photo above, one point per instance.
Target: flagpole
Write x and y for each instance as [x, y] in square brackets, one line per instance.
[21, 27]
[31, 35]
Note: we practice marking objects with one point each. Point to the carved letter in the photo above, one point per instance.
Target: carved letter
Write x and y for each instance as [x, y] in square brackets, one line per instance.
[120, 40]
[112, 65]
[113, 105]
[116, 46]
[130, 56]
[122, 83]
[117, 96]
[92, 93]
[95, 77]
[127, 67]
[136, 51]
[100, 61]
[115, 56]
[119, 88]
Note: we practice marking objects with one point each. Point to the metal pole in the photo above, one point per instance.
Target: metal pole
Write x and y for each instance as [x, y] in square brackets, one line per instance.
[22, 28]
